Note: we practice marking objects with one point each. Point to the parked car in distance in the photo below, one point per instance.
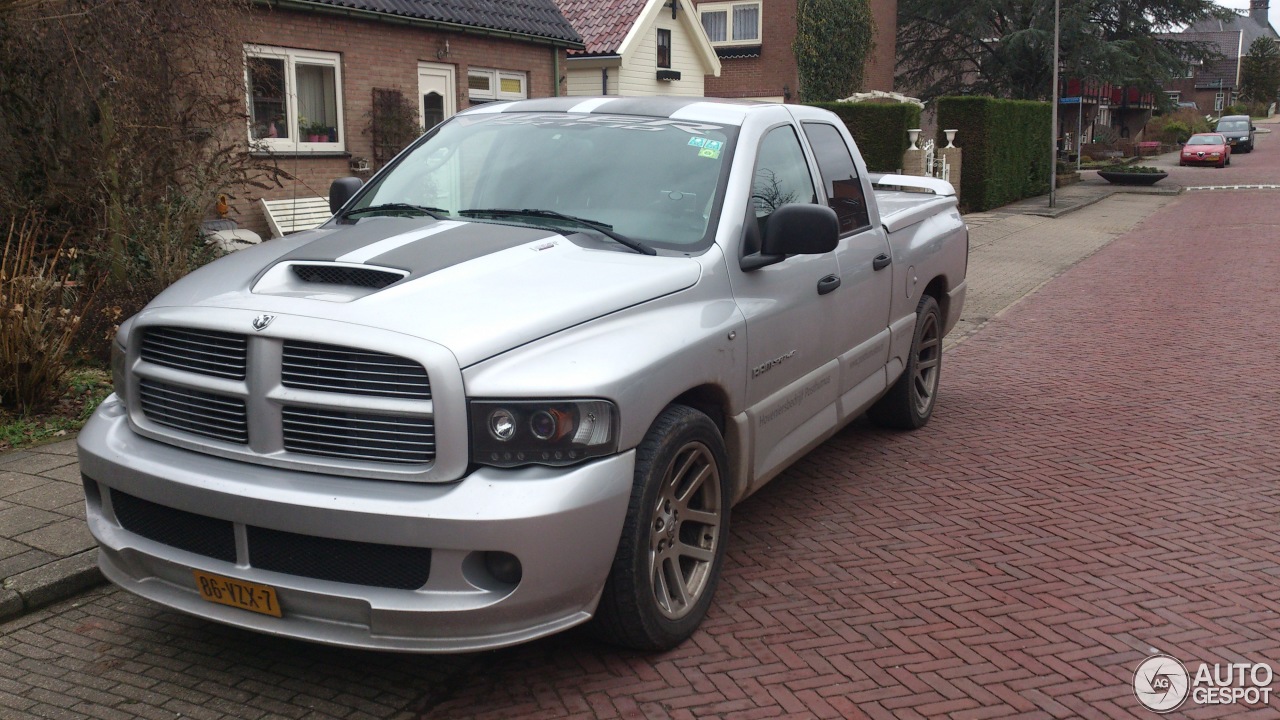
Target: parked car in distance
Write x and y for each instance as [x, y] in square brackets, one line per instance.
[1239, 132]
[1206, 149]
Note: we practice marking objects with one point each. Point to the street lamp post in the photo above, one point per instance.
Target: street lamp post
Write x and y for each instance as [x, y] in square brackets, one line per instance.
[1053, 156]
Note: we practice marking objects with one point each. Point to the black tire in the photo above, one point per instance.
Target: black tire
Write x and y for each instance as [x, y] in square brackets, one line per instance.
[667, 566]
[909, 403]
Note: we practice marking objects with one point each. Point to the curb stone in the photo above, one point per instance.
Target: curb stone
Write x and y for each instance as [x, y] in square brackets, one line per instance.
[49, 583]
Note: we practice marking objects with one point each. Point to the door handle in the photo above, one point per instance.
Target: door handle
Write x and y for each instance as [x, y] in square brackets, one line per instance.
[827, 284]
[881, 262]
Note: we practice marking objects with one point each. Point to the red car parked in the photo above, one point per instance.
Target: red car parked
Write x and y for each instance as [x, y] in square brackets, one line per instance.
[1206, 149]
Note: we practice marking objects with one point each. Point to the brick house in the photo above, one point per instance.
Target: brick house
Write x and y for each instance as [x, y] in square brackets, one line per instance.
[1216, 84]
[638, 47]
[753, 39]
[313, 67]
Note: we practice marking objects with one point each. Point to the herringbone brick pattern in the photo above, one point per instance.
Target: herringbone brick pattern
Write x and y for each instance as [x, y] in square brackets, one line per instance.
[1101, 481]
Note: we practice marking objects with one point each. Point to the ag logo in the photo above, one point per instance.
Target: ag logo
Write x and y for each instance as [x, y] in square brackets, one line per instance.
[262, 321]
[1161, 683]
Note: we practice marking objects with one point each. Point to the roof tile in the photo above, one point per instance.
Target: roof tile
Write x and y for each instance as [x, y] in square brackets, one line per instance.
[603, 24]
[537, 18]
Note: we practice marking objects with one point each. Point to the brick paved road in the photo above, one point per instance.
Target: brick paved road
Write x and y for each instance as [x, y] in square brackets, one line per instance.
[1102, 480]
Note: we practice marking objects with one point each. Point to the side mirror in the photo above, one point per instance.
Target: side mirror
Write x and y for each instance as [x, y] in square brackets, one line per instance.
[342, 190]
[801, 230]
[796, 229]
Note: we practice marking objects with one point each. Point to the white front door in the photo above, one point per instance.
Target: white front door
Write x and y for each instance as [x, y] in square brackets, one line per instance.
[436, 95]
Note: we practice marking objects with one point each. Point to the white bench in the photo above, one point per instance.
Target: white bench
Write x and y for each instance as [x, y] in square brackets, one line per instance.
[295, 214]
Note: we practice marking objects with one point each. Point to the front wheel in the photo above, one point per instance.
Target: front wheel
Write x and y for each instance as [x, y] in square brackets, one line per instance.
[909, 403]
[672, 545]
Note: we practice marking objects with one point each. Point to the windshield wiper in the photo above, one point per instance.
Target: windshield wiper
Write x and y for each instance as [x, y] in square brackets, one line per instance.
[395, 208]
[602, 228]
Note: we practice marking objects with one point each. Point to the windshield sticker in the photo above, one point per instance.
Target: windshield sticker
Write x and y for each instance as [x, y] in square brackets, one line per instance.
[708, 143]
[709, 153]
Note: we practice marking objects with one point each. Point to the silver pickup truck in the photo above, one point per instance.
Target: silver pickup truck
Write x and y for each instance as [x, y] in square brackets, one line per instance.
[518, 380]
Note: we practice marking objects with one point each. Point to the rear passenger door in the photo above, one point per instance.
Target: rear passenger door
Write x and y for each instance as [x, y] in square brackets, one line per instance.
[861, 331]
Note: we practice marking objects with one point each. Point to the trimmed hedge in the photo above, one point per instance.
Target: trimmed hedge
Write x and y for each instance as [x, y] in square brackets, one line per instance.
[1006, 148]
[880, 129]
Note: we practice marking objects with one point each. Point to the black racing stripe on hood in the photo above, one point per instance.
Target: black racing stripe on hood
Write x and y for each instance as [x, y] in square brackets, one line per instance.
[350, 237]
[459, 245]
[436, 251]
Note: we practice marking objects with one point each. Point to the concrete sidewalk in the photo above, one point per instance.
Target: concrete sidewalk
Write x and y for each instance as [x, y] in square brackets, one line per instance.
[47, 554]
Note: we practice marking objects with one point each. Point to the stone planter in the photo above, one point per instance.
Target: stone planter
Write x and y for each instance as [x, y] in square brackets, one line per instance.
[1130, 178]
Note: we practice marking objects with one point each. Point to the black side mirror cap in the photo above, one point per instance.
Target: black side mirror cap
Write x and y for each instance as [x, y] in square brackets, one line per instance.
[342, 190]
[801, 230]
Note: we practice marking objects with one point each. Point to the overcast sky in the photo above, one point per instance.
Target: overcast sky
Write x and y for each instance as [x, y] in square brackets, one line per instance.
[1244, 5]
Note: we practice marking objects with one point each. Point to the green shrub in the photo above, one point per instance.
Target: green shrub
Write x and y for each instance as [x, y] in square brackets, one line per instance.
[40, 314]
[880, 129]
[1175, 132]
[1237, 109]
[1006, 146]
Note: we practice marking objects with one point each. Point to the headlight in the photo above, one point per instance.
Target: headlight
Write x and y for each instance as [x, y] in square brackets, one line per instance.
[541, 432]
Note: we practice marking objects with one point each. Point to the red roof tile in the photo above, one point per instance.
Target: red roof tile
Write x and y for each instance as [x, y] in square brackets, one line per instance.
[603, 24]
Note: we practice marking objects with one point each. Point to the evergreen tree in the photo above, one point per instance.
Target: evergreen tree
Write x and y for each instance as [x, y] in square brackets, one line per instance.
[833, 40]
[1002, 47]
[1260, 72]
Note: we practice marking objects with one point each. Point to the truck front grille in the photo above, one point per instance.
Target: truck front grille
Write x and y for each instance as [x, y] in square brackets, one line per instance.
[176, 528]
[330, 368]
[201, 413]
[359, 436]
[345, 561]
[198, 351]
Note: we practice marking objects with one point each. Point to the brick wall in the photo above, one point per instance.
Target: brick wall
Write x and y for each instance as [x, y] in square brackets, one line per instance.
[775, 69]
[376, 54]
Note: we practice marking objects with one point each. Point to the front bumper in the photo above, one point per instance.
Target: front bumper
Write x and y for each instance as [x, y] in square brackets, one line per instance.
[563, 525]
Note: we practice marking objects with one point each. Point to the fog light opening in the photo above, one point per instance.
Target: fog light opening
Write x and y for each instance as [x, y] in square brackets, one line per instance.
[503, 566]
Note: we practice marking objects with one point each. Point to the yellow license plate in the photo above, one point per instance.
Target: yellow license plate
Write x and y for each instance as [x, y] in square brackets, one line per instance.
[238, 593]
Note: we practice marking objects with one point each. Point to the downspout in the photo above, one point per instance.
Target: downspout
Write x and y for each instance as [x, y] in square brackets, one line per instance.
[604, 81]
[555, 71]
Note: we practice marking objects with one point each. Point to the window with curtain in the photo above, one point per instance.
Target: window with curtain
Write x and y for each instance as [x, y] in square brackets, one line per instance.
[295, 99]
[731, 23]
[716, 23]
[746, 23]
[664, 48]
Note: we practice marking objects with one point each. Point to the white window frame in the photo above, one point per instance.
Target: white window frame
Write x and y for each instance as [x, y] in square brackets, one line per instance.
[292, 58]
[1175, 96]
[727, 9]
[495, 85]
[1219, 101]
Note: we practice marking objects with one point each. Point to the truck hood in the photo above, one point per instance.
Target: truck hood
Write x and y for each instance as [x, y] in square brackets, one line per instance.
[478, 289]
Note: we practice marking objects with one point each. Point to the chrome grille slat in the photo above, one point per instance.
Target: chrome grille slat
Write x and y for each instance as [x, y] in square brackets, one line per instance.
[206, 352]
[194, 411]
[359, 436]
[334, 368]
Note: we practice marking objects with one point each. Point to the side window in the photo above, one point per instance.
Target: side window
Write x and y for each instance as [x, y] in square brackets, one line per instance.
[782, 174]
[839, 175]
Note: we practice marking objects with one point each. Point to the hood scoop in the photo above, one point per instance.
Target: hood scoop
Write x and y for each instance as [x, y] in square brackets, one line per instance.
[347, 275]
[330, 281]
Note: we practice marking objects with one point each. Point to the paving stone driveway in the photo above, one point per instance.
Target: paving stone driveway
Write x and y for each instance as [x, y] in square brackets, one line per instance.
[1101, 481]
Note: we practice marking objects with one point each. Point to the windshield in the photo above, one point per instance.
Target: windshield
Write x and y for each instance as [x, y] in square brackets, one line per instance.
[652, 179]
[1233, 126]
[1206, 140]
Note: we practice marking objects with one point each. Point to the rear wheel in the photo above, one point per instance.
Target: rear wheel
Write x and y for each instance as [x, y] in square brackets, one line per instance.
[672, 545]
[909, 403]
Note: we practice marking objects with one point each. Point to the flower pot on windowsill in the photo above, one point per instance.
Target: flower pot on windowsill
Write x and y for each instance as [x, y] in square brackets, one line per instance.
[1132, 178]
[315, 138]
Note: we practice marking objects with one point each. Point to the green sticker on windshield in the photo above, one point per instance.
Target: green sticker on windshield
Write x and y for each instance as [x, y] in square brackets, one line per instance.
[709, 153]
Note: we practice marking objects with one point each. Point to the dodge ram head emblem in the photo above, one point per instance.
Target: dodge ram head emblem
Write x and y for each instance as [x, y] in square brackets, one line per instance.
[262, 321]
